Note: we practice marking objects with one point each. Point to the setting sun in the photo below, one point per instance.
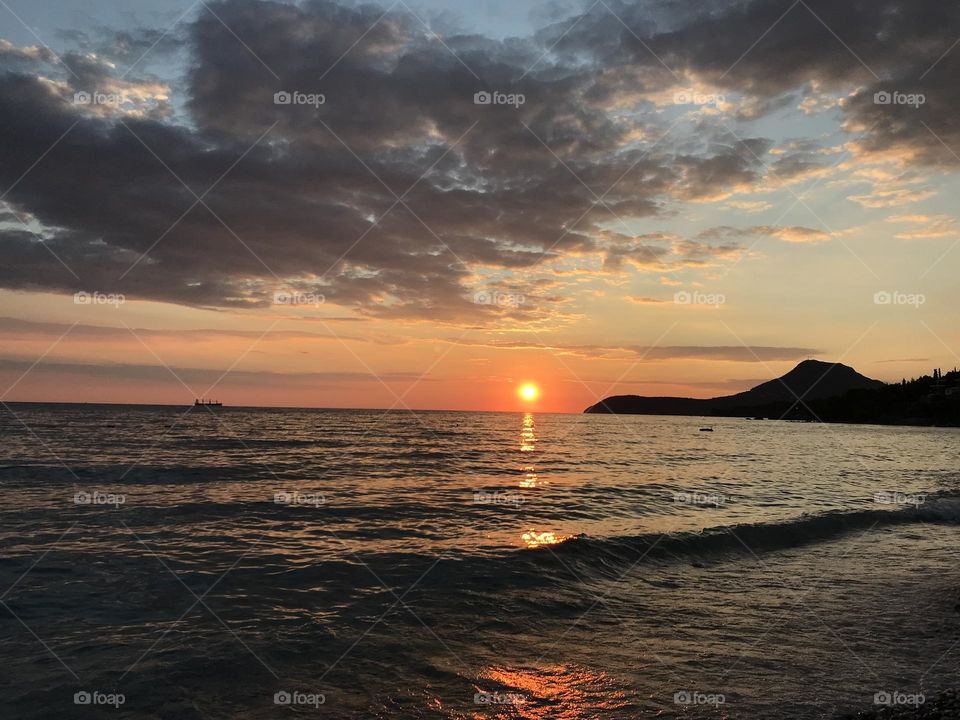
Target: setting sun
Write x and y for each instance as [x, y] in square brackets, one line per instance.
[529, 391]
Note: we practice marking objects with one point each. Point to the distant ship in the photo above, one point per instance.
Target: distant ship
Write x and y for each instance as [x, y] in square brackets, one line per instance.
[200, 402]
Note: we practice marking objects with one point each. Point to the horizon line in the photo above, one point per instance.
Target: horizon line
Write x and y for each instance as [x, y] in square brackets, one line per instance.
[278, 407]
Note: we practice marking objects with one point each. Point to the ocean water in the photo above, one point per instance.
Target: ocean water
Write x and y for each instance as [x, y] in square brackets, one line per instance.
[251, 563]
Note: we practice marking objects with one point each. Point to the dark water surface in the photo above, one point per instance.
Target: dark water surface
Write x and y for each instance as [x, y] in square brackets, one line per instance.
[469, 565]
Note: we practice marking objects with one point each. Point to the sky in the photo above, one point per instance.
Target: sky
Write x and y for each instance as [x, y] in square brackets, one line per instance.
[428, 204]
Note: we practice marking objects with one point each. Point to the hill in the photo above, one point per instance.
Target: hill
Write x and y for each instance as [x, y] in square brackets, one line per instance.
[829, 392]
[811, 380]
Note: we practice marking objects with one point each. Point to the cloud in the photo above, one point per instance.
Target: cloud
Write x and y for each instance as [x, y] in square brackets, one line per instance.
[387, 198]
[894, 197]
[391, 195]
[925, 227]
[12, 56]
[728, 353]
[662, 251]
[645, 300]
[733, 353]
[17, 328]
[750, 206]
[794, 234]
[786, 233]
[199, 379]
[833, 54]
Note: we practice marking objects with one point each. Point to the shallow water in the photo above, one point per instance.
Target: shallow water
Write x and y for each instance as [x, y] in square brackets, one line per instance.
[466, 565]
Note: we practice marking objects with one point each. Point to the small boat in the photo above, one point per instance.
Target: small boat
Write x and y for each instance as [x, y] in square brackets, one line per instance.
[200, 402]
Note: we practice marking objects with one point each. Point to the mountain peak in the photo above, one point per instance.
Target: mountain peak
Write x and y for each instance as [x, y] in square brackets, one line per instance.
[809, 380]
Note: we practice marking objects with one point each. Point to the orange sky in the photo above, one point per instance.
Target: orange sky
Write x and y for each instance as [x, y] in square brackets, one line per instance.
[156, 353]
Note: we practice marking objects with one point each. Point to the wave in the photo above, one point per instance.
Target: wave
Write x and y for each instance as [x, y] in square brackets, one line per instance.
[593, 558]
[751, 538]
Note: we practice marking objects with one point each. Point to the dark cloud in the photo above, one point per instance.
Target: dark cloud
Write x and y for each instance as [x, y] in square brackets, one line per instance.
[766, 52]
[666, 251]
[128, 46]
[389, 196]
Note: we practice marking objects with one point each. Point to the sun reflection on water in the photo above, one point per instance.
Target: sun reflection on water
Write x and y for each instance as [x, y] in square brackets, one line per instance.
[561, 692]
[534, 539]
[528, 438]
[530, 479]
[528, 443]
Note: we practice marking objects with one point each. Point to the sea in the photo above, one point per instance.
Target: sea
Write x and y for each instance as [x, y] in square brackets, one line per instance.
[199, 563]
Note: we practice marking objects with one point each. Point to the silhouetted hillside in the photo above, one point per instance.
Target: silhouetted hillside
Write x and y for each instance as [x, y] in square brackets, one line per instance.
[810, 380]
[815, 390]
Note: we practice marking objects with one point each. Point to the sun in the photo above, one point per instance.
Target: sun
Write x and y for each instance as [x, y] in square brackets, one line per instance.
[529, 391]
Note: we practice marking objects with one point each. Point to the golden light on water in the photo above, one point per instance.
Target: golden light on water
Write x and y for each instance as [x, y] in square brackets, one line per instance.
[528, 443]
[528, 437]
[530, 478]
[534, 539]
[554, 692]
